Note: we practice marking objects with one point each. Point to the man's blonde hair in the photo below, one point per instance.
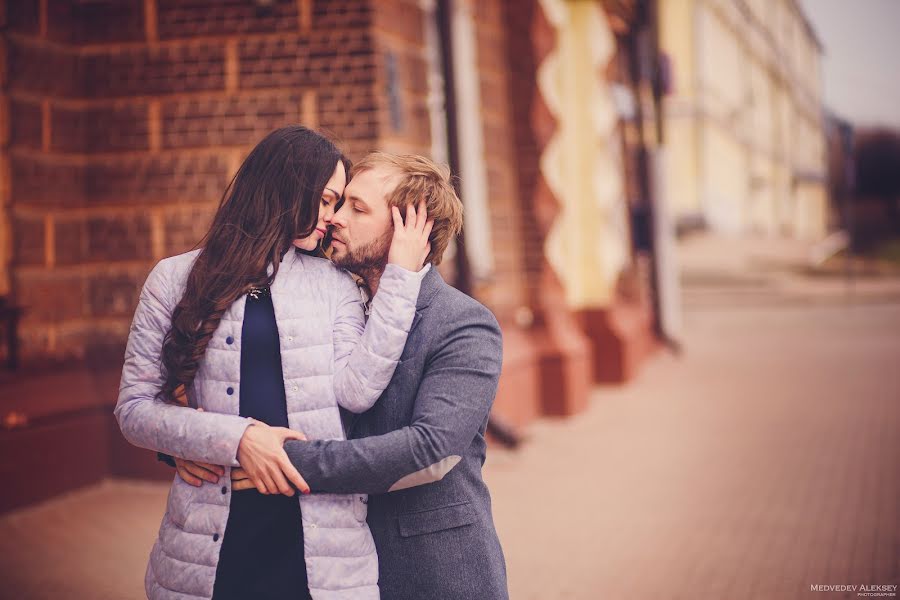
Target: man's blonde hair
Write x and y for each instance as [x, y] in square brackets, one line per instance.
[420, 178]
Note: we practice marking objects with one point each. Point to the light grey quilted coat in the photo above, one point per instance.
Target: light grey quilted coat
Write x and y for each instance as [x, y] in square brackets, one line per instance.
[329, 358]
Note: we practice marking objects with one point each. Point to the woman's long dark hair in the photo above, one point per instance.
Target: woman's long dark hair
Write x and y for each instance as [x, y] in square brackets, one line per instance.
[272, 200]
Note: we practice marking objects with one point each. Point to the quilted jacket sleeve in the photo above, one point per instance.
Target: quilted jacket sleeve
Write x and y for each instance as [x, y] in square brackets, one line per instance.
[366, 354]
[151, 423]
[451, 407]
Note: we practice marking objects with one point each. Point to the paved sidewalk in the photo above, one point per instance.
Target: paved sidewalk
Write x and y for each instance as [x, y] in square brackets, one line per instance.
[763, 461]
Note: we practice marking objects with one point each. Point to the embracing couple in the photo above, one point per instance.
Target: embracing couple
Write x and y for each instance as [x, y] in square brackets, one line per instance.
[328, 433]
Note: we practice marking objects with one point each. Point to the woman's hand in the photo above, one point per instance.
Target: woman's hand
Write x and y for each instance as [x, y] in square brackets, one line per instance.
[262, 456]
[410, 246]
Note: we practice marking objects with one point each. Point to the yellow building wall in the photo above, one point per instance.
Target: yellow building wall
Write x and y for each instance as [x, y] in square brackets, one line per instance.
[744, 123]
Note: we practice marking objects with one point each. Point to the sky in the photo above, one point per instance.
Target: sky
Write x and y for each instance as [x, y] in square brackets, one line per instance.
[860, 66]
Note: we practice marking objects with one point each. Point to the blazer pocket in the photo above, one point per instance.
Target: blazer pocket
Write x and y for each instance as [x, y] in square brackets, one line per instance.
[437, 519]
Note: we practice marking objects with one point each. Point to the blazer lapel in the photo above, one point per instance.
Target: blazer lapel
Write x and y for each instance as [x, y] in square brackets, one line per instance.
[431, 283]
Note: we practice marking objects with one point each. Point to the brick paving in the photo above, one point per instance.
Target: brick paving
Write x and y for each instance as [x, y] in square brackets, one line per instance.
[763, 460]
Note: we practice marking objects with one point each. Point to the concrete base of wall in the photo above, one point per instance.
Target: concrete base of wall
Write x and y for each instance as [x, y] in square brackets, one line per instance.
[621, 338]
[518, 395]
[565, 364]
[59, 433]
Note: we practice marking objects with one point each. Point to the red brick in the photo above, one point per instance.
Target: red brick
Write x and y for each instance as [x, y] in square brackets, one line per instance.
[46, 182]
[402, 19]
[155, 70]
[49, 297]
[186, 19]
[25, 124]
[185, 228]
[28, 241]
[226, 121]
[156, 178]
[321, 59]
[44, 70]
[23, 17]
[118, 238]
[349, 113]
[98, 20]
[101, 129]
[70, 237]
[114, 294]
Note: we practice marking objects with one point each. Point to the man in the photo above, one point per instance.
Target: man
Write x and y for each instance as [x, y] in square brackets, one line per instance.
[419, 451]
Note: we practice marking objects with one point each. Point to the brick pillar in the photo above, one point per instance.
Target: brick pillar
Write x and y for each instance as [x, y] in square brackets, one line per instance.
[564, 364]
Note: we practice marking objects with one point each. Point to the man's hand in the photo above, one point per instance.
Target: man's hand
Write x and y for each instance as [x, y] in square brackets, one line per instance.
[240, 480]
[410, 245]
[195, 473]
[262, 456]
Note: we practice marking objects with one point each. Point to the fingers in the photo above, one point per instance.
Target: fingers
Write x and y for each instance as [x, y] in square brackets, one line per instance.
[243, 484]
[281, 483]
[197, 470]
[410, 216]
[426, 231]
[289, 434]
[395, 215]
[218, 470]
[239, 474]
[421, 216]
[186, 476]
[293, 475]
[264, 484]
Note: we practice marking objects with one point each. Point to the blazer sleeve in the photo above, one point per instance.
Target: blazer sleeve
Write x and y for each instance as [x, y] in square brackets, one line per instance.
[453, 401]
[156, 425]
[366, 354]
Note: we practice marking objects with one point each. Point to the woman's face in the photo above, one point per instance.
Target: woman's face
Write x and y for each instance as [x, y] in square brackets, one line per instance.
[332, 193]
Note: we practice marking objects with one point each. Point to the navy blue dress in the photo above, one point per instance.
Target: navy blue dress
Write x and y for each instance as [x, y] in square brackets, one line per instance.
[262, 549]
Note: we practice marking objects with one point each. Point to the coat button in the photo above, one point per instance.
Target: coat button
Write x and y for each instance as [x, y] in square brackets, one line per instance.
[295, 388]
[229, 340]
[215, 537]
[230, 390]
[224, 490]
[290, 338]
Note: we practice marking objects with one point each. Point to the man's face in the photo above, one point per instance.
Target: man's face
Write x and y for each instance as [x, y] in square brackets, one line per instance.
[362, 228]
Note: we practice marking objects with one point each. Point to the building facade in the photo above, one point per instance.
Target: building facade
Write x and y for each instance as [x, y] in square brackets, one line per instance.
[744, 122]
[123, 120]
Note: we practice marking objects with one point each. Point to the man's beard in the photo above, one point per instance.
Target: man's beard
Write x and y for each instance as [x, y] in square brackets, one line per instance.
[368, 258]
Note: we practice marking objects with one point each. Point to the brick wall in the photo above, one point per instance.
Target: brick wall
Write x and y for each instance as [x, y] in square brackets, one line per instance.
[128, 117]
[506, 292]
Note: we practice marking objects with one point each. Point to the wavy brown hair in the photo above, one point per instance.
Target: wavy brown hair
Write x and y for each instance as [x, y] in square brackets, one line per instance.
[272, 200]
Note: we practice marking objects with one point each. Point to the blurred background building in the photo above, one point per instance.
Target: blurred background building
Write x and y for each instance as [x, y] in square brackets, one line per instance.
[577, 128]
[744, 121]
[124, 120]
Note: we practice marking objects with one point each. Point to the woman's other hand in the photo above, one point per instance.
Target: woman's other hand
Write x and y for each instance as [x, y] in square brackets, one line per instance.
[410, 246]
[262, 456]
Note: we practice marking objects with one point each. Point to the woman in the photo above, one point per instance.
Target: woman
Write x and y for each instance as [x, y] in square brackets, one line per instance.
[261, 335]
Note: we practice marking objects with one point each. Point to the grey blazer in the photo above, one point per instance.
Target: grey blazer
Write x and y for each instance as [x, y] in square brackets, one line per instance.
[418, 453]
